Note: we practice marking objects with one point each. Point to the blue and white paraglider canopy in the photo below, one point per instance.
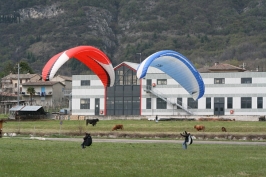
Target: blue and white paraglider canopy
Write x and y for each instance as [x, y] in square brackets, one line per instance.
[178, 67]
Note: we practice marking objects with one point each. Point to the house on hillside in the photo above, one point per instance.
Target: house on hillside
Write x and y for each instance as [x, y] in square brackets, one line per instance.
[7, 100]
[10, 82]
[10, 87]
[229, 90]
[47, 93]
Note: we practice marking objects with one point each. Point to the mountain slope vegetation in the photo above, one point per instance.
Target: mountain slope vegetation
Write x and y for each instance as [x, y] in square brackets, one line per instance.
[204, 31]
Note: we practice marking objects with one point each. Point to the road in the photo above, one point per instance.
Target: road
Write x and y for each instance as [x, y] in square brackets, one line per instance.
[155, 141]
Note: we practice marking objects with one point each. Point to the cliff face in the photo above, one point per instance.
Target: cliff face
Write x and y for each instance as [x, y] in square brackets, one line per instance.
[91, 25]
[40, 12]
[204, 31]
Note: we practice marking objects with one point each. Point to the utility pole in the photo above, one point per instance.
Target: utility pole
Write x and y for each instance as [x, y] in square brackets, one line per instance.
[18, 85]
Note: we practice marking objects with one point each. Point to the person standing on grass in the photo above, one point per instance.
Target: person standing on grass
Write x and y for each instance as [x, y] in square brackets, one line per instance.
[186, 135]
[87, 140]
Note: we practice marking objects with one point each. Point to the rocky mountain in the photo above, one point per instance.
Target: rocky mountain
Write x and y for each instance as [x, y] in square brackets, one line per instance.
[205, 31]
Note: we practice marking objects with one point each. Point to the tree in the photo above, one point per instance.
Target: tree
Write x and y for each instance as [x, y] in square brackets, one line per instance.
[25, 68]
[31, 91]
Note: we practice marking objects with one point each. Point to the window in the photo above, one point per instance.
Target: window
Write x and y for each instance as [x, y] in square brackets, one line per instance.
[85, 103]
[246, 102]
[218, 80]
[246, 80]
[119, 103]
[161, 81]
[126, 76]
[229, 103]
[85, 83]
[136, 103]
[119, 76]
[110, 103]
[192, 103]
[148, 103]
[208, 103]
[179, 101]
[128, 102]
[161, 104]
[259, 102]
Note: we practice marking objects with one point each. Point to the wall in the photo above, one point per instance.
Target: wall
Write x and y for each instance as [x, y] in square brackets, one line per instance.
[232, 88]
[95, 90]
[151, 118]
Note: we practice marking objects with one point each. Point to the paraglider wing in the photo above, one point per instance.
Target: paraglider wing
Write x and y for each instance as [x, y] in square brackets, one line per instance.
[49, 65]
[92, 57]
[178, 67]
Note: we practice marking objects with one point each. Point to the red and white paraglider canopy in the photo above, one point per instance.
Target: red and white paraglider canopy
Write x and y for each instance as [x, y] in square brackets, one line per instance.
[92, 57]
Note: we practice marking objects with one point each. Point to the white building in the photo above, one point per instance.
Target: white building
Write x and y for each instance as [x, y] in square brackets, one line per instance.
[229, 90]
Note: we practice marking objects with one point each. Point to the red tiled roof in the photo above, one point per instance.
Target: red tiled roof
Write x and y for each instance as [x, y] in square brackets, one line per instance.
[221, 67]
[225, 67]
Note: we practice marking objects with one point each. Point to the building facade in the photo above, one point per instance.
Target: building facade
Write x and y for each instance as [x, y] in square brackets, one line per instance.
[229, 90]
[10, 86]
[48, 93]
[11, 82]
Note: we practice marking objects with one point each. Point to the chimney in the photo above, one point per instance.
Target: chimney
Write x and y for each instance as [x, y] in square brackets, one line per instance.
[244, 65]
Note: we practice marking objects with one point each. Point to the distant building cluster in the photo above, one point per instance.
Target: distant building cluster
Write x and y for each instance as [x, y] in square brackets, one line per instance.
[229, 90]
[47, 93]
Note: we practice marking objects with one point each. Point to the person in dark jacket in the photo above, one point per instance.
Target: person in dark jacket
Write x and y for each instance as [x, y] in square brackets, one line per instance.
[186, 135]
[87, 140]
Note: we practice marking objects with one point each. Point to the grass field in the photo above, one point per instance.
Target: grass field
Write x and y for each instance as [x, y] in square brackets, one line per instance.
[22, 157]
[31, 158]
[134, 127]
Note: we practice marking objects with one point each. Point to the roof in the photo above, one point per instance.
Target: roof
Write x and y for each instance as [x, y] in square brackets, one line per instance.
[25, 108]
[21, 76]
[65, 77]
[41, 83]
[130, 64]
[204, 70]
[221, 67]
[16, 108]
[225, 67]
[31, 108]
[136, 65]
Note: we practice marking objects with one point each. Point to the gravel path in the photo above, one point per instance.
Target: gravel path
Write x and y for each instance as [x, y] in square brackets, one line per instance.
[155, 141]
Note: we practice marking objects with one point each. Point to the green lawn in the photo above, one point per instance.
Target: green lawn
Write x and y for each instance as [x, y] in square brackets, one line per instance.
[133, 127]
[32, 158]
